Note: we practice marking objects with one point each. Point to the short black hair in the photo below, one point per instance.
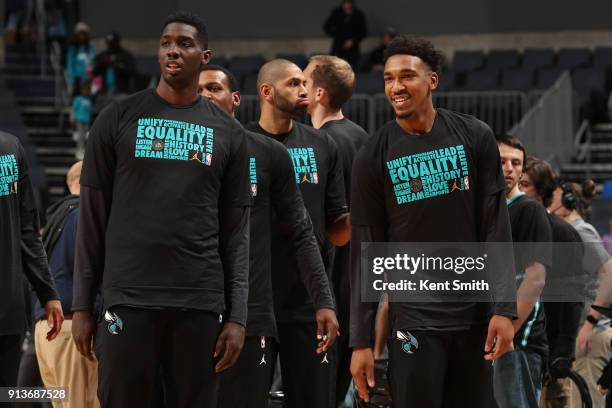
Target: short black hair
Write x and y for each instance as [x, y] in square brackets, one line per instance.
[515, 143]
[190, 19]
[233, 82]
[417, 47]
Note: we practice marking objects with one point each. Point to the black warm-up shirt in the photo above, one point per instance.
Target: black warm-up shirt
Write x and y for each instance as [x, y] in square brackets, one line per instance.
[169, 178]
[318, 173]
[273, 189]
[442, 186]
[21, 248]
[349, 138]
[530, 224]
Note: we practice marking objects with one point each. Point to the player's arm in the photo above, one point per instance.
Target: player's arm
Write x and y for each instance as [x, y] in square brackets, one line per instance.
[33, 256]
[97, 180]
[234, 214]
[336, 210]
[296, 224]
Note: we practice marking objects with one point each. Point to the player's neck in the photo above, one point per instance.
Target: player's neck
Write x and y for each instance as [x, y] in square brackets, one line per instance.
[275, 122]
[183, 96]
[512, 192]
[321, 115]
[419, 121]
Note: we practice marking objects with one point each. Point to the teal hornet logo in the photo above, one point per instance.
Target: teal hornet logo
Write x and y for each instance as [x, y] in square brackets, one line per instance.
[409, 342]
[115, 324]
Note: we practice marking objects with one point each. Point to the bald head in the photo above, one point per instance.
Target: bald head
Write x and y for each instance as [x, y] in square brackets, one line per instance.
[272, 72]
[73, 177]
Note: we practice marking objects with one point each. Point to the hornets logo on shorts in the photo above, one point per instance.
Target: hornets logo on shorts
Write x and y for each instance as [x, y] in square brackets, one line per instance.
[409, 342]
[115, 324]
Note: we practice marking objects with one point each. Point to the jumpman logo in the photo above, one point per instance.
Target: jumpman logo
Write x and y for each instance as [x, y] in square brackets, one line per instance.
[263, 360]
[325, 360]
[305, 178]
[195, 157]
[455, 186]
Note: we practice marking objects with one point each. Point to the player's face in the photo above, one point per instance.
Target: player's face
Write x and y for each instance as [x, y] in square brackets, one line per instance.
[310, 88]
[180, 54]
[290, 95]
[408, 84]
[215, 86]
[512, 164]
[527, 187]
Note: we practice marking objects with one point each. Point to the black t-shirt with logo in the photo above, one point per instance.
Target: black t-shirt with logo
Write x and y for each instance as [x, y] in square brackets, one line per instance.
[530, 224]
[349, 138]
[273, 188]
[21, 248]
[166, 171]
[318, 173]
[442, 186]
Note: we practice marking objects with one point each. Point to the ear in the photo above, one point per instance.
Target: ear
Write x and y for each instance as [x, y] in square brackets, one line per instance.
[320, 94]
[434, 80]
[236, 99]
[205, 57]
[266, 91]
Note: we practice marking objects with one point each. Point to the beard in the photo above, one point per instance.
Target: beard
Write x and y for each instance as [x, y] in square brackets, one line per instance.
[285, 105]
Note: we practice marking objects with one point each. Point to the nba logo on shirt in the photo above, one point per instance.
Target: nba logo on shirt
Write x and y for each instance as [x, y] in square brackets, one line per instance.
[466, 182]
[208, 159]
[253, 190]
[315, 178]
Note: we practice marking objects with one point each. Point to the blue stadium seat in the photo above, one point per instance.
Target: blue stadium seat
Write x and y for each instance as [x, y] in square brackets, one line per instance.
[587, 80]
[517, 80]
[370, 83]
[249, 84]
[502, 59]
[602, 57]
[248, 64]
[537, 58]
[468, 60]
[219, 60]
[447, 81]
[570, 58]
[486, 80]
[547, 76]
[298, 59]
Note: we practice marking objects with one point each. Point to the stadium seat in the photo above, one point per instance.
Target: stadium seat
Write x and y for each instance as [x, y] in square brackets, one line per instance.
[602, 57]
[147, 65]
[502, 59]
[219, 60]
[538, 58]
[32, 87]
[589, 80]
[370, 83]
[446, 81]
[468, 60]
[517, 80]
[249, 84]
[248, 64]
[547, 76]
[570, 58]
[485, 80]
[298, 59]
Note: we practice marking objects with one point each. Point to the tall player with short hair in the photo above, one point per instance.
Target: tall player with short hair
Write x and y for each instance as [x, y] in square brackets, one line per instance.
[274, 191]
[330, 82]
[163, 229]
[456, 341]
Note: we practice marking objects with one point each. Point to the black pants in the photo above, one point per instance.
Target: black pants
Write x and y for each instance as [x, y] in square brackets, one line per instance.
[10, 355]
[247, 383]
[309, 379]
[181, 342]
[447, 370]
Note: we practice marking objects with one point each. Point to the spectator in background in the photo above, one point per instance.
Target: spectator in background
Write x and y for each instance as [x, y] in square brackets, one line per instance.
[607, 238]
[114, 66]
[347, 26]
[80, 118]
[571, 202]
[375, 61]
[80, 57]
[61, 364]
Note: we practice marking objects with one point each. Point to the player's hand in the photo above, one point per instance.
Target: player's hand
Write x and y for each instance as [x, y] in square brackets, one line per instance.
[229, 344]
[499, 337]
[55, 318]
[603, 391]
[585, 338]
[327, 329]
[84, 332]
[362, 370]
